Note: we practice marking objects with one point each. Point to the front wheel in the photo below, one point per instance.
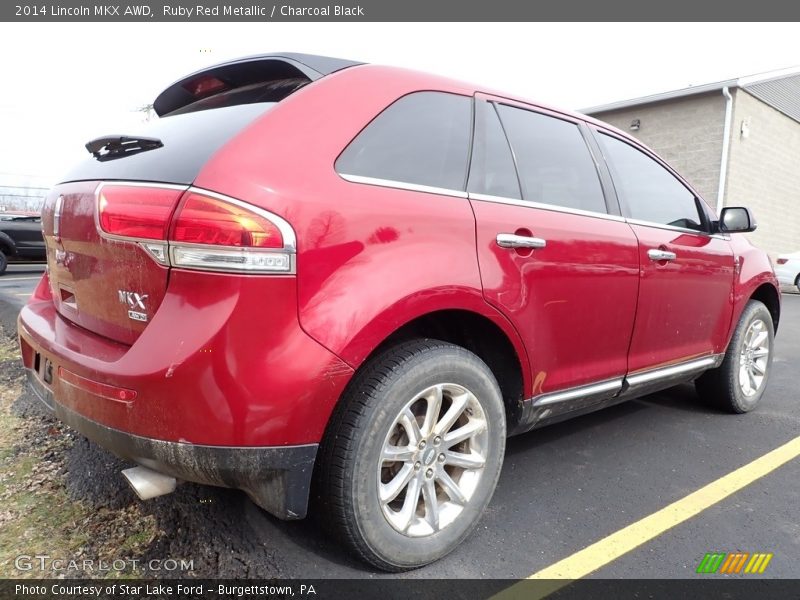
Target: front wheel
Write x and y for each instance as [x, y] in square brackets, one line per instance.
[739, 383]
[413, 454]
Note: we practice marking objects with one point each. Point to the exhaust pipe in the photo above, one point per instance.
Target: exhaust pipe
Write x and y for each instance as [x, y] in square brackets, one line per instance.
[148, 483]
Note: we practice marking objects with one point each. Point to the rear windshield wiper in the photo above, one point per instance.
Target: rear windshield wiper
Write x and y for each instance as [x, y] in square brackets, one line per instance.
[110, 147]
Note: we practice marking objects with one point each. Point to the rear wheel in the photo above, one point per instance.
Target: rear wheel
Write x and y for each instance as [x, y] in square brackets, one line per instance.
[413, 454]
[739, 383]
[3, 262]
[797, 283]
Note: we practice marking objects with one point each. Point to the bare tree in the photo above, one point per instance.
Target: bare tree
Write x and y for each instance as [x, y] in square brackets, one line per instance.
[148, 111]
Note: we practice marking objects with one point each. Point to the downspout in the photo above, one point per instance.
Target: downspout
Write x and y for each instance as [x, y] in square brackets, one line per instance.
[726, 143]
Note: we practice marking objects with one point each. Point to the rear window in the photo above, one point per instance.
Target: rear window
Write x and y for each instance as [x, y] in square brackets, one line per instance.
[189, 140]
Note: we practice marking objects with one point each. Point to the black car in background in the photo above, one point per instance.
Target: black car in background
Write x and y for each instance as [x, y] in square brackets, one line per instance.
[21, 239]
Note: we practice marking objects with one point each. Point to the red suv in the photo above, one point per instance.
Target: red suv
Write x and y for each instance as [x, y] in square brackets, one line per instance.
[310, 269]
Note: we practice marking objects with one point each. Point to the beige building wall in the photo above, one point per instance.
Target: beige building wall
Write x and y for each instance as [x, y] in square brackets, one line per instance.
[764, 172]
[686, 132]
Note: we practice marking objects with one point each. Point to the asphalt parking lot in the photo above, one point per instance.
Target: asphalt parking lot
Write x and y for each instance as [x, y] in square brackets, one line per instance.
[562, 489]
[19, 280]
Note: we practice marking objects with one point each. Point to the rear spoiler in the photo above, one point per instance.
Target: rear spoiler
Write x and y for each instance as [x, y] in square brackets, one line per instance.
[245, 71]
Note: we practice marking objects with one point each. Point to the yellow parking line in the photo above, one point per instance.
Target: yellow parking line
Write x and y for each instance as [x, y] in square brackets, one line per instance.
[621, 542]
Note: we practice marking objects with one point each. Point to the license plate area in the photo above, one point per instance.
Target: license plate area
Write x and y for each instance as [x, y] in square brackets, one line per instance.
[44, 368]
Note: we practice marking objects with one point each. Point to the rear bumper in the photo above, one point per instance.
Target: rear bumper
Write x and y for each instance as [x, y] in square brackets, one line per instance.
[276, 478]
[223, 362]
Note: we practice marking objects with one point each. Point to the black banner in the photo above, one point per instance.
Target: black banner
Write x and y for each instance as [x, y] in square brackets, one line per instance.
[400, 589]
[405, 10]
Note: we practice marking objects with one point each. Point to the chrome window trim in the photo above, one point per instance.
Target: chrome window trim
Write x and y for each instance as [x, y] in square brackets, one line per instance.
[665, 372]
[590, 213]
[655, 225]
[543, 206]
[401, 185]
[579, 392]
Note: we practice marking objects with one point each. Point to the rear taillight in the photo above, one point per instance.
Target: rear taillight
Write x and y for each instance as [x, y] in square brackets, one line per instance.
[136, 211]
[205, 220]
[196, 229]
[782, 261]
[219, 233]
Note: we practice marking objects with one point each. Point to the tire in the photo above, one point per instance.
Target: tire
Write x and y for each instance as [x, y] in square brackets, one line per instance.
[731, 387]
[797, 283]
[3, 262]
[369, 422]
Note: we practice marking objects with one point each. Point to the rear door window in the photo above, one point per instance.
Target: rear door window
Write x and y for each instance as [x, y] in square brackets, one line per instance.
[554, 163]
[492, 171]
[647, 190]
[421, 139]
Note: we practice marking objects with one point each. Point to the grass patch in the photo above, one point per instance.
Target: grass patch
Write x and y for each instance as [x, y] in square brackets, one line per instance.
[37, 515]
[9, 350]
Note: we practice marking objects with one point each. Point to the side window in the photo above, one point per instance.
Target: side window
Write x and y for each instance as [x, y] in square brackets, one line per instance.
[492, 171]
[647, 190]
[555, 166]
[422, 138]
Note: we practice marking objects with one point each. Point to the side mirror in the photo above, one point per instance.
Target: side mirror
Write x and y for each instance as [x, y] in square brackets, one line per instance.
[736, 219]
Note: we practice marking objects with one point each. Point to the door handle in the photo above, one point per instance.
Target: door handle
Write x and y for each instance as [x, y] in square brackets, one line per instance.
[656, 254]
[511, 240]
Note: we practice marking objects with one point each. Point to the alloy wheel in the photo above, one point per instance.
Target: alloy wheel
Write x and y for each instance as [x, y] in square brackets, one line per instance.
[754, 358]
[432, 460]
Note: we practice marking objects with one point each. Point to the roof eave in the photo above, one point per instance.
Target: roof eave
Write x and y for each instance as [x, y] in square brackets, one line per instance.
[653, 98]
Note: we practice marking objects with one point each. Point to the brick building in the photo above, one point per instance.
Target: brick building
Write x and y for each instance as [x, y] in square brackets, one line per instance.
[746, 130]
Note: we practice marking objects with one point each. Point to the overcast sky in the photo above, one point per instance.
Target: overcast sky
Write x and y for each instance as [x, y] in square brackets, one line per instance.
[63, 84]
